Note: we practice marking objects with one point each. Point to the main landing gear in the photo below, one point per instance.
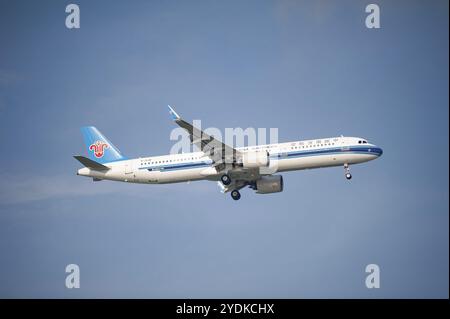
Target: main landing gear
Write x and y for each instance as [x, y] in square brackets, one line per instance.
[347, 172]
[225, 179]
[235, 194]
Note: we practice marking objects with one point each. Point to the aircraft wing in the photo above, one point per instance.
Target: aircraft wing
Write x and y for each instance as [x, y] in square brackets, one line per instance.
[218, 151]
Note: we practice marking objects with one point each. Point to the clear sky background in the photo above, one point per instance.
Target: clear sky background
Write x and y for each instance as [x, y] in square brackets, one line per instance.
[310, 68]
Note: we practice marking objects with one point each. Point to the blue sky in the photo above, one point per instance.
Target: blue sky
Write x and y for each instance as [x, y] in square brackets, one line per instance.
[310, 68]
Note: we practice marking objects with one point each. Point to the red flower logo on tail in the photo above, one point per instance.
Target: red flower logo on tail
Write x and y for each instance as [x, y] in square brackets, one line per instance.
[98, 148]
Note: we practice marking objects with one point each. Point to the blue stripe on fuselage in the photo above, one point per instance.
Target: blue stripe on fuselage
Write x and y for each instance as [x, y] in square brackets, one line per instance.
[174, 167]
[280, 156]
[328, 151]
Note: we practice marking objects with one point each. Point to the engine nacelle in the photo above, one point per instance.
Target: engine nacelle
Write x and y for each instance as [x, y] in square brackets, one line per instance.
[255, 159]
[269, 184]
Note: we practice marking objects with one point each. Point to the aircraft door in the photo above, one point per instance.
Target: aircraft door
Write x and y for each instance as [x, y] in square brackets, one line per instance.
[129, 172]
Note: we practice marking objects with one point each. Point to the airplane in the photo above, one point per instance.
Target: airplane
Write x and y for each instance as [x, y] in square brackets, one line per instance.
[232, 168]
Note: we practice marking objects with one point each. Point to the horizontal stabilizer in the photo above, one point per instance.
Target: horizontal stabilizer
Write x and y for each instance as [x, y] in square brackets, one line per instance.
[91, 164]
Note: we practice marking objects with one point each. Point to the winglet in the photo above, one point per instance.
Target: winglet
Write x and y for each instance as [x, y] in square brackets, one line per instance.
[174, 114]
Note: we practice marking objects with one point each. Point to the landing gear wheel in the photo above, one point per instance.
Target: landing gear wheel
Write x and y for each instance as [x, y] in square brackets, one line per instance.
[347, 172]
[225, 179]
[235, 195]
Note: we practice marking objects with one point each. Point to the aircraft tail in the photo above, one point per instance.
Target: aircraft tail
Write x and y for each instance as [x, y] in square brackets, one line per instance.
[99, 148]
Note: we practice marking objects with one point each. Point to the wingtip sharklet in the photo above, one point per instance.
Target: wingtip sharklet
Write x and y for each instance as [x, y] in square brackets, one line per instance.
[174, 114]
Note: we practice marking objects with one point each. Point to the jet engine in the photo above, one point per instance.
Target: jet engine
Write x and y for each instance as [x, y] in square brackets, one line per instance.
[255, 159]
[269, 184]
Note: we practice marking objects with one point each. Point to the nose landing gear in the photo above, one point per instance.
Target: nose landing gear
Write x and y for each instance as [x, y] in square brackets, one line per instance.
[347, 172]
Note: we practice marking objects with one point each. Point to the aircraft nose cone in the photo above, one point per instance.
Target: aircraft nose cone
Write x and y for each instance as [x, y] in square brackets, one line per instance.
[379, 151]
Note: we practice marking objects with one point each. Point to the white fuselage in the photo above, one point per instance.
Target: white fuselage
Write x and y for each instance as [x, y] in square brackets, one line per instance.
[174, 168]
